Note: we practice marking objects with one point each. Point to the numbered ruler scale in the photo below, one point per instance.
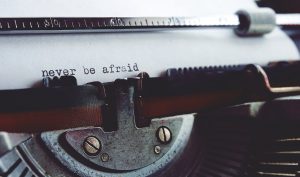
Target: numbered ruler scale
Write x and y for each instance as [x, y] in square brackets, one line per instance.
[39, 25]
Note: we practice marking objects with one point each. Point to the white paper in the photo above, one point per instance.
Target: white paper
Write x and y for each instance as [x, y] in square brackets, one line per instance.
[23, 58]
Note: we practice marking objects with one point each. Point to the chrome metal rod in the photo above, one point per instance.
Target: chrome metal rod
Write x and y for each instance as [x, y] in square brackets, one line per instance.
[44, 25]
[288, 20]
[109, 24]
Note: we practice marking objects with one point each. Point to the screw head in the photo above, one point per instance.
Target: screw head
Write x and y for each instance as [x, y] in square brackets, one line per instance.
[92, 146]
[164, 135]
[157, 149]
[104, 157]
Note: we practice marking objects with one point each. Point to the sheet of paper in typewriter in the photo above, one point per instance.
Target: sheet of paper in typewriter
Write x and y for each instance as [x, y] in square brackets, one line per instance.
[25, 59]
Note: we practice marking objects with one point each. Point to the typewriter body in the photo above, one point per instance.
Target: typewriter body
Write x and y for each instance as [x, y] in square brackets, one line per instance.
[255, 138]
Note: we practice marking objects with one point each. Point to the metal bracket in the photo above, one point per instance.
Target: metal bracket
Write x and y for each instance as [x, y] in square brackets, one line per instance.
[129, 148]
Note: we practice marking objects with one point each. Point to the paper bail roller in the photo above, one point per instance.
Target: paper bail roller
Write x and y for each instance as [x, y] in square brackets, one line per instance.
[245, 23]
[255, 22]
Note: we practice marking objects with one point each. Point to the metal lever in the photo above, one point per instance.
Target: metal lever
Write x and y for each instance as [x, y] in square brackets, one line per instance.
[275, 92]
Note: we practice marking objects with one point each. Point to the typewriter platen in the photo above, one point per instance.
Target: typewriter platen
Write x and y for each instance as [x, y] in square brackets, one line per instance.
[253, 139]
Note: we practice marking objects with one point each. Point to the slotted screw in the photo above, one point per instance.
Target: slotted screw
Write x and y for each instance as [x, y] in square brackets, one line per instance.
[92, 146]
[164, 135]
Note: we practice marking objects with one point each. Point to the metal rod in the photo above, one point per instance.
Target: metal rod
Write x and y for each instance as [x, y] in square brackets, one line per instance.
[108, 24]
[45, 25]
[288, 20]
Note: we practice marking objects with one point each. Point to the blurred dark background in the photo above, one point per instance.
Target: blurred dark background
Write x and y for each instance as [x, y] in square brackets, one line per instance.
[281, 6]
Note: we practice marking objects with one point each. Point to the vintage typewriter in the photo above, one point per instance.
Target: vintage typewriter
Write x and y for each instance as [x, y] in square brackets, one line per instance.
[204, 121]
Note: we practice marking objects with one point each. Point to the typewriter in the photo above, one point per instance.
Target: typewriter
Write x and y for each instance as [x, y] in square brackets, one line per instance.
[238, 120]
